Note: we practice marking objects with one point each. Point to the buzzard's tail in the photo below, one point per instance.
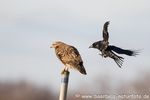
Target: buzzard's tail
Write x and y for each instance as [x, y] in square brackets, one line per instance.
[81, 69]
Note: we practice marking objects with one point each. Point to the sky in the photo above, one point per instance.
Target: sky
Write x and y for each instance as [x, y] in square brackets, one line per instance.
[29, 27]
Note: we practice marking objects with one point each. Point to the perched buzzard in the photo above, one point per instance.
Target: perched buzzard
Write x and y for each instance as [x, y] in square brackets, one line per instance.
[69, 56]
[108, 50]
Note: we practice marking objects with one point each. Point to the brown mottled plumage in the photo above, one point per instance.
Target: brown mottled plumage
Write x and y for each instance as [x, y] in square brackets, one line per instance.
[69, 56]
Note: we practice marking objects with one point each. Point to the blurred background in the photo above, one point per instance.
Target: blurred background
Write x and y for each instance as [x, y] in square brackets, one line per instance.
[30, 70]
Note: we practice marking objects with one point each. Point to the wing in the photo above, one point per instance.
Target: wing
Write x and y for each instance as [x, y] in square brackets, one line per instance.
[123, 51]
[105, 31]
[74, 55]
[117, 59]
[74, 59]
[69, 55]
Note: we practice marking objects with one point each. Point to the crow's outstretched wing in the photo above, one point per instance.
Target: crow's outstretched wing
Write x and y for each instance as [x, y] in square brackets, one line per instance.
[105, 31]
[123, 51]
[117, 59]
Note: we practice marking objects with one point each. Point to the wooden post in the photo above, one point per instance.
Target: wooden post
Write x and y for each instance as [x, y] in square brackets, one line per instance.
[64, 85]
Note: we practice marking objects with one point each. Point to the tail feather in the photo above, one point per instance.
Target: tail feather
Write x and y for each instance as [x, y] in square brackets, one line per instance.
[123, 51]
[135, 52]
[81, 68]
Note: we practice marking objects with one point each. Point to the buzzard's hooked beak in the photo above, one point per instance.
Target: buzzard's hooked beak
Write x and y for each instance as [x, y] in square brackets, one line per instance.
[51, 46]
[91, 46]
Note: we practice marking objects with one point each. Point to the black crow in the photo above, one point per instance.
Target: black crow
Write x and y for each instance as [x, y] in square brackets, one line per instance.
[108, 50]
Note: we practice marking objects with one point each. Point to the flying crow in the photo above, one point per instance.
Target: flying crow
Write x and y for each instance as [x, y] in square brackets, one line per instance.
[108, 50]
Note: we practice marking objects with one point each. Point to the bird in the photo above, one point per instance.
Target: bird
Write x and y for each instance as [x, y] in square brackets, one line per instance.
[111, 50]
[69, 56]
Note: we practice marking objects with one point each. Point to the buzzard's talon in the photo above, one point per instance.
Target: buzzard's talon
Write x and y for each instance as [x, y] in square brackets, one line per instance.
[62, 72]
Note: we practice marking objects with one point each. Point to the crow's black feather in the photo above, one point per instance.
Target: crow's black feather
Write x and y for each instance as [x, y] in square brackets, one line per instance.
[122, 51]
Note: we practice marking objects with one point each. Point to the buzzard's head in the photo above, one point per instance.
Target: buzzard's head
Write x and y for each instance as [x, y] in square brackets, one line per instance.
[56, 44]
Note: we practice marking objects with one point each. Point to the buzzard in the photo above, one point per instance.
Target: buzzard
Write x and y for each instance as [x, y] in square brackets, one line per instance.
[108, 50]
[69, 56]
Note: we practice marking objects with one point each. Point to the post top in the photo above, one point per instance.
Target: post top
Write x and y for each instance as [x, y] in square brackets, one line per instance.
[66, 73]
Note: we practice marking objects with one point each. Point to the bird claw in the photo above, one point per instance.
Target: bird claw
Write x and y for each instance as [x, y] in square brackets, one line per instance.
[62, 72]
[65, 69]
[103, 55]
[100, 54]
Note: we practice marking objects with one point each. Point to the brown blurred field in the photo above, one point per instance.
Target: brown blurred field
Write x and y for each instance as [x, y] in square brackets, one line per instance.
[136, 90]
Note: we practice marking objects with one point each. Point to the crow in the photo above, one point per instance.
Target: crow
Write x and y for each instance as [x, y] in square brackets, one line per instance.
[110, 50]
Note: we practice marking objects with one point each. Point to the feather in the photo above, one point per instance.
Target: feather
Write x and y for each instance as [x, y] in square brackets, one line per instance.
[123, 51]
[105, 31]
[69, 56]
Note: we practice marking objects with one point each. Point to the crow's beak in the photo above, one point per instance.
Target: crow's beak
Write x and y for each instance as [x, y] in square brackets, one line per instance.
[91, 46]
